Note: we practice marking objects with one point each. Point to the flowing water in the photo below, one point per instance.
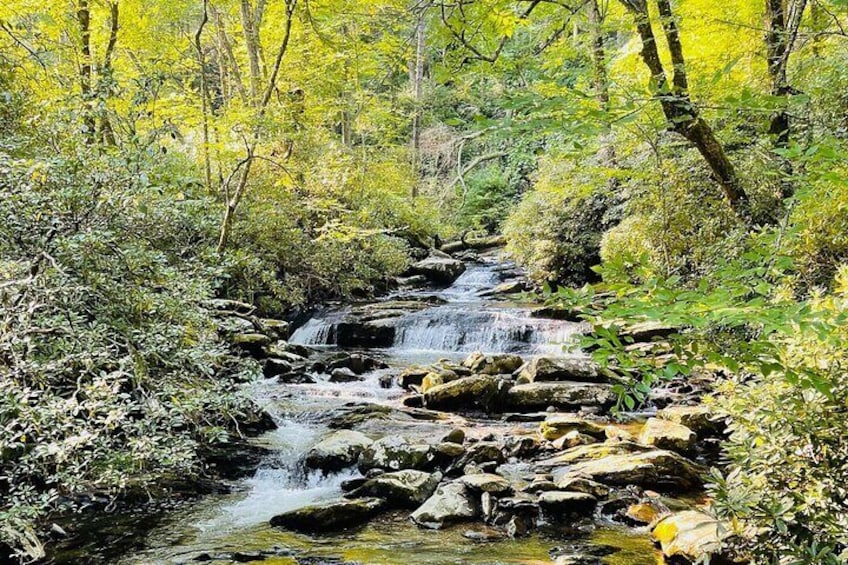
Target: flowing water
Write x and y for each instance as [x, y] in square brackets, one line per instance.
[228, 528]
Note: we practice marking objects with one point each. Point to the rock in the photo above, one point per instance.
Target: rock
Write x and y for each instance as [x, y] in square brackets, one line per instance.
[519, 526]
[557, 425]
[283, 349]
[645, 513]
[508, 287]
[699, 419]
[353, 333]
[573, 439]
[480, 453]
[504, 364]
[451, 503]
[483, 535]
[413, 376]
[413, 401]
[407, 488]
[442, 270]
[456, 435]
[351, 485]
[691, 535]
[652, 469]
[647, 331]
[579, 484]
[329, 516]
[591, 452]
[395, 453]
[251, 343]
[559, 503]
[275, 367]
[355, 413]
[615, 433]
[539, 485]
[547, 369]
[561, 395]
[339, 450]
[357, 363]
[344, 375]
[446, 453]
[665, 434]
[479, 391]
[486, 482]
[276, 329]
[433, 379]
[521, 446]
[386, 381]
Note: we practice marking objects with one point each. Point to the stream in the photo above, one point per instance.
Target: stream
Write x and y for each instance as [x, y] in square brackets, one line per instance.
[234, 527]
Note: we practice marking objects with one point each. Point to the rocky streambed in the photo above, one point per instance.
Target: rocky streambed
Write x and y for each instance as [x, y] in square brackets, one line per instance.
[449, 425]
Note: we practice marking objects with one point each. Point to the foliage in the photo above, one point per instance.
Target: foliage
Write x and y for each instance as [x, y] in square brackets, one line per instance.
[112, 376]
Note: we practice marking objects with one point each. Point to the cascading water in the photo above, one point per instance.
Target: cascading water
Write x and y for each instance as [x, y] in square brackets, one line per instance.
[463, 323]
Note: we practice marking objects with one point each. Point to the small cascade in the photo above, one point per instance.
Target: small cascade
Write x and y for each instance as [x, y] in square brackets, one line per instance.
[316, 331]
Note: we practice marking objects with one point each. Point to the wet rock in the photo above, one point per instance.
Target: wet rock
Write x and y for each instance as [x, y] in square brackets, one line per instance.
[296, 377]
[251, 343]
[413, 376]
[645, 513]
[386, 381]
[615, 433]
[573, 439]
[329, 516]
[407, 488]
[446, 453]
[456, 435]
[451, 503]
[665, 434]
[519, 526]
[580, 484]
[413, 401]
[508, 287]
[276, 329]
[479, 454]
[486, 482]
[557, 425]
[483, 535]
[560, 503]
[352, 484]
[521, 446]
[344, 375]
[652, 469]
[337, 451]
[434, 379]
[356, 362]
[691, 535]
[248, 556]
[699, 419]
[354, 333]
[395, 453]
[504, 364]
[355, 413]
[561, 395]
[479, 391]
[591, 452]
[547, 369]
[539, 485]
[441, 269]
[275, 367]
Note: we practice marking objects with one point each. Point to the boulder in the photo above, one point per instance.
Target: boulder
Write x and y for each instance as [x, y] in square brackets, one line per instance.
[413, 376]
[652, 469]
[486, 482]
[504, 364]
[276, 329]
[452, 502]
[394, 453]
[557, 425]
[287, 352]
[456, 435]
[296, 377]
[439, 269]
[356, 362]
[560, 503]
[434, 379]
[251, 343]
[480, 453]
[475, 392]
[329, 516]
[339, 450]
[665, 434]
[407, 488]
[560, 395]
[579, 484]
[351, 333]
[344, 375]
[508, 287]
[645, 513]
[691, 535]
[699, 419]
[573, 439]
[275, 367]
[591, 452]
[548, 369]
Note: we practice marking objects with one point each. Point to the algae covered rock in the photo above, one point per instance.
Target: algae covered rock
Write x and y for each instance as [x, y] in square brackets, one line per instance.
[557, 425]
[400, 488]
[329, 516]
[666, 434]
[691, 535]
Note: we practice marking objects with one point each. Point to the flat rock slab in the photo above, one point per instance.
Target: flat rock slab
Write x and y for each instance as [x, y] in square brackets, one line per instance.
[560, 395]
[451, 503]
[330, 516]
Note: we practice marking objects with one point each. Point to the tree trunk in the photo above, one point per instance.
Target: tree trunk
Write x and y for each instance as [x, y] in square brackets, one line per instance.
[600, 80]
[107, 134]
[204, 96]
[251, 42]
[227, 47]
[679, 111]
[84, 20]
[417, 79]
